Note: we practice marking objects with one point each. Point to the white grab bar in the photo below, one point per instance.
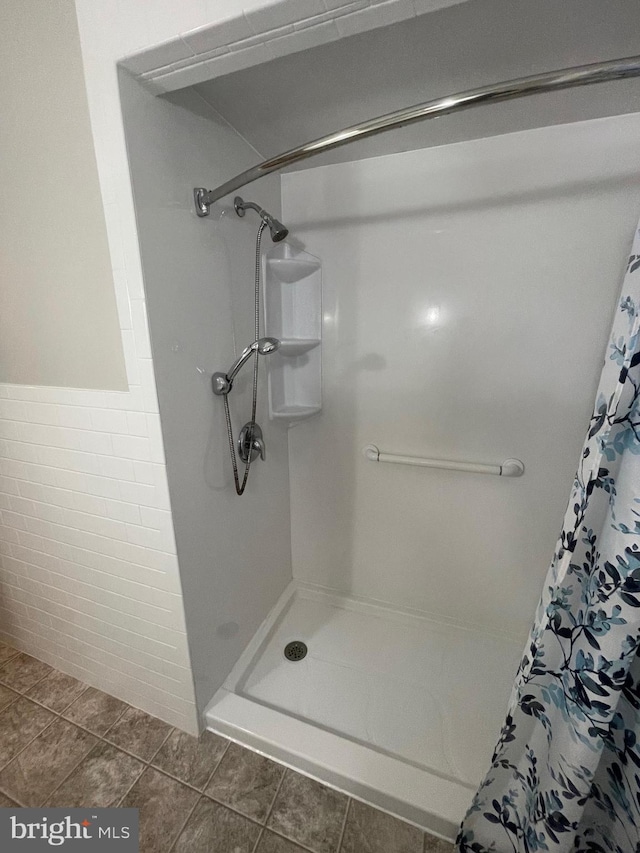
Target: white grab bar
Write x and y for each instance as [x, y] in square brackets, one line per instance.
[509, 468]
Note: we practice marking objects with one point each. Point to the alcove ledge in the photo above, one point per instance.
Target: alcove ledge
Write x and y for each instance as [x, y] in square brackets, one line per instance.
[260, 35]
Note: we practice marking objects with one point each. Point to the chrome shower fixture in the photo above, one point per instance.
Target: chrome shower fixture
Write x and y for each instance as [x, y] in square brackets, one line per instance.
[222, 383]
[202, 203]
[277, 229]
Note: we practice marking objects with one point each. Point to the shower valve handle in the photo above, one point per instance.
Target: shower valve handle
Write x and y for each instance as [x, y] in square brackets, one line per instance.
[258, 445]
[251, 442]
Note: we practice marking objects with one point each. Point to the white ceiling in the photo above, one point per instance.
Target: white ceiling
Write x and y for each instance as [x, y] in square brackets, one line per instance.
[291, 100]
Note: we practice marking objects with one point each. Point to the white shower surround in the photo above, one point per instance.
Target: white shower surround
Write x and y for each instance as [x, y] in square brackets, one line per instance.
[423, 222]
[441, 269]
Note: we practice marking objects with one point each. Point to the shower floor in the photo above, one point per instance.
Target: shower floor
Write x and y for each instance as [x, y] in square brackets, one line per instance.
[411, 696]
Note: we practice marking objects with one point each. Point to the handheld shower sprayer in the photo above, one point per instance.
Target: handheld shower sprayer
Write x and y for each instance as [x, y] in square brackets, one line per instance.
[222, 383]
[277, 229]
[250, 444]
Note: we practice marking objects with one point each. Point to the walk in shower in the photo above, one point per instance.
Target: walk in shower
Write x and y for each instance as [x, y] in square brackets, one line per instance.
[444, 292]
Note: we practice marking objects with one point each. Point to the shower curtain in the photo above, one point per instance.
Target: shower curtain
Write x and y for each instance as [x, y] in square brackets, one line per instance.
[565, 774]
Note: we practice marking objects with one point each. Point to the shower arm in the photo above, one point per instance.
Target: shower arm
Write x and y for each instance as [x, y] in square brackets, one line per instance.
[551, 81]
[238, 363]
[222, 383]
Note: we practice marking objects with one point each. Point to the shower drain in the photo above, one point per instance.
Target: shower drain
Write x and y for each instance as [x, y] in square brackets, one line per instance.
[295, 650]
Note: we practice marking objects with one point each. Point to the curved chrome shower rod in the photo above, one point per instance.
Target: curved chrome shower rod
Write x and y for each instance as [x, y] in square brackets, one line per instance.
[551, 81]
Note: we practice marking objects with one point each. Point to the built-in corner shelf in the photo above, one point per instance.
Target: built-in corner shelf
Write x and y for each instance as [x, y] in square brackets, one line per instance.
[292, 283]
[293, 268]
[294, 413]
[297, 346]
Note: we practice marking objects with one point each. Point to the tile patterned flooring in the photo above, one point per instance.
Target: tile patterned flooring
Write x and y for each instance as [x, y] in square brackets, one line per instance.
[65, 744]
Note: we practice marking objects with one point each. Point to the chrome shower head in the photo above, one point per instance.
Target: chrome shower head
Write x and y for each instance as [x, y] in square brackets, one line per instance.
[276, 228]
[263, 346]
[266, 346]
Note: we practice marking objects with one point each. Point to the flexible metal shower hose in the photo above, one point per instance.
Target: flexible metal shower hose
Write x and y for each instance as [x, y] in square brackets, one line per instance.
[240, 487]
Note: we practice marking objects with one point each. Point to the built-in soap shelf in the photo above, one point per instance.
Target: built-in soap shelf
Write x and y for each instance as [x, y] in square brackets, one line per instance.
[297, 346]
[292, 269]
[292, 283]
[294, 413]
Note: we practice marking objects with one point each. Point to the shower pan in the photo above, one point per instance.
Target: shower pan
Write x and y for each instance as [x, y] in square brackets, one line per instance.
[378, 705]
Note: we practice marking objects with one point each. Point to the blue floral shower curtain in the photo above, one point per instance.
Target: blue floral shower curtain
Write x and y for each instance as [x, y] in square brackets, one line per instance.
[565, 775]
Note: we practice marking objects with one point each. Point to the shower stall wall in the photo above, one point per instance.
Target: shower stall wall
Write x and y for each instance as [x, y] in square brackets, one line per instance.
[235, 560]
[468, 296]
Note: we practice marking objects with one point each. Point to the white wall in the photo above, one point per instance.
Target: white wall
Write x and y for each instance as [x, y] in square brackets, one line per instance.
[58, 319]
[468, 294]
[235, 552]
[88, 572]
[260, 32]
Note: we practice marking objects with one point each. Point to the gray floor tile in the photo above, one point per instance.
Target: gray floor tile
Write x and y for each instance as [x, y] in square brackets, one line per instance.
[6, 803]
[22, 672]
[95, 710]
[309, 813]
[191, 759]
[212, 827]
[138, 733]
[7, 652]
[20, 723]
[56, 691]
[164, 807]
[246, 781]
[272, 843]
[100, 780]
[370, 831]
[7, 696]
[35, 773]
[437, 845]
